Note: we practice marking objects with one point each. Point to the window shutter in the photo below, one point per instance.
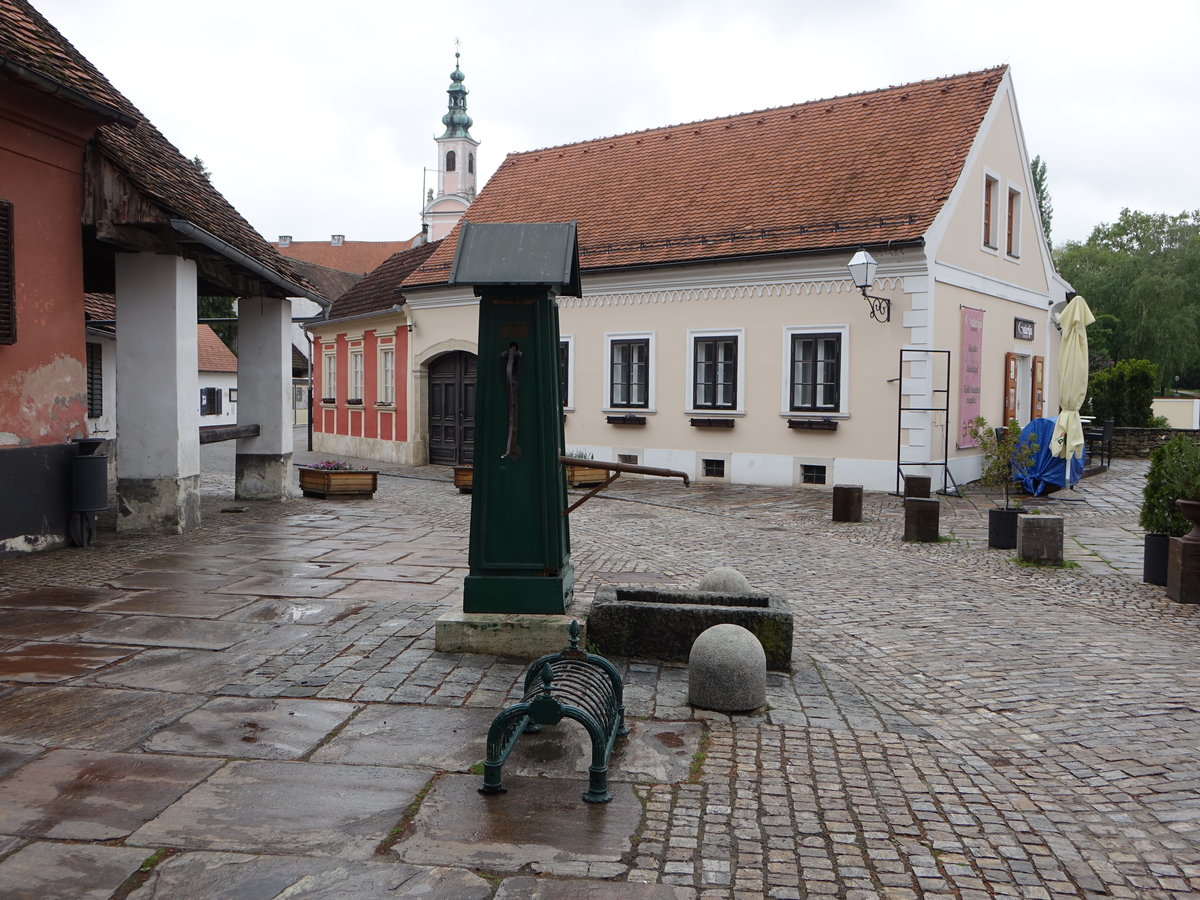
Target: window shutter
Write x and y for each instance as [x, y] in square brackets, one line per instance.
[95, 381]
[8, 298]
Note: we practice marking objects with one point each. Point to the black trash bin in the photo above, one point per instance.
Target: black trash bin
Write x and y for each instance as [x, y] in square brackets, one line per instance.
[89, 489]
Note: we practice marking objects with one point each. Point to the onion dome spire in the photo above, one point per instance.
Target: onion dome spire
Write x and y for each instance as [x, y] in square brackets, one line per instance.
[456, 120]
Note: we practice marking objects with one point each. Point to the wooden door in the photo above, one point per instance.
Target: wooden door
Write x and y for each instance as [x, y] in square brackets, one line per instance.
[452, 380]
[1037, 400]
[1010, 387]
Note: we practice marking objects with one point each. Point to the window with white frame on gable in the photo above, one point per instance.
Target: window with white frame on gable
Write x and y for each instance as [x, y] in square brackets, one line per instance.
[715, 371]
[1012, 238]
[991, 211]
[329, 379]
[356, 377]
[387, 376]
[629, 373]
[816, 378]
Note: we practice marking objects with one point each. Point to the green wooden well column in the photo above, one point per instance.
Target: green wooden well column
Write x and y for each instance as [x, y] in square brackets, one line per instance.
[520, 554]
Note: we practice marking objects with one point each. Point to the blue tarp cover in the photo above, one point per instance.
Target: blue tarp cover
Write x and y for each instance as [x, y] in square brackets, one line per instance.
[1047, 473]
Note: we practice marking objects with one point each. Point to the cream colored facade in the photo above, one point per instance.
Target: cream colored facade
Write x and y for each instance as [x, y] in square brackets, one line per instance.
[762, 305]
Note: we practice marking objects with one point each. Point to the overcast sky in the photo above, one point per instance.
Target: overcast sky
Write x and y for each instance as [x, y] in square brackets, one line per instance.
[319, 117]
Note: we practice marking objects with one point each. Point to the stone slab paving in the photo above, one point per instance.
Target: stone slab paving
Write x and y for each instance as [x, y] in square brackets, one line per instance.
[952, 724]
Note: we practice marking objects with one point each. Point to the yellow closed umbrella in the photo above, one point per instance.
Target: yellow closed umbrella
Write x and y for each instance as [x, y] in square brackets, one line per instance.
[1067, 441]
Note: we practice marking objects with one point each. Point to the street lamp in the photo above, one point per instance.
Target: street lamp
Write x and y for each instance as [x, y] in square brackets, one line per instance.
[862, 268]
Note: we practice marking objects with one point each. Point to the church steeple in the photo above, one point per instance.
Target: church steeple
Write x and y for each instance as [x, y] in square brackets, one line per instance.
[456, 162]
[456, 120]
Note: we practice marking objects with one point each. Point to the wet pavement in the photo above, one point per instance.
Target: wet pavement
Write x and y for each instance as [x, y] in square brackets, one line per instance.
[256, 710]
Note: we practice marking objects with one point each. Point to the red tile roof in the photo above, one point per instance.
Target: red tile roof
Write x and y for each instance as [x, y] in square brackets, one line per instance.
[380, 290]
[214, 355]
[860, 169]
[359, 257]
[33, 51]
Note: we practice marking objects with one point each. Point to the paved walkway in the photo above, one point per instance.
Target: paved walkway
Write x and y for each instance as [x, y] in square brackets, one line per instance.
[255, 709]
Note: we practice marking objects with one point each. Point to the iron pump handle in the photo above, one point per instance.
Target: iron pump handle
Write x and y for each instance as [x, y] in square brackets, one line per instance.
[512, 372]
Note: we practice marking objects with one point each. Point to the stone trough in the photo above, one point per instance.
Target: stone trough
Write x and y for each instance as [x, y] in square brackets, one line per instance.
[662, 623]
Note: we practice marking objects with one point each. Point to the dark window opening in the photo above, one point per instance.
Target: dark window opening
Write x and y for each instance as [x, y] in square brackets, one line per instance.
[471, 163]
[813, 474]
[715, 379]
[564, 369]
[629, 374]
[8, 297]
[451, 161]
[95, 381]
[630, 459]
[816, 372]
[210, 401]
[714, 468]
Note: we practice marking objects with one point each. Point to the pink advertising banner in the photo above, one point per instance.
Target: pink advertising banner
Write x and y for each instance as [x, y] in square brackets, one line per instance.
[971, 356]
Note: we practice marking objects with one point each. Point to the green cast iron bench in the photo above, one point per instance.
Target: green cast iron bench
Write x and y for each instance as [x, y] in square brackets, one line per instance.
[572, 684]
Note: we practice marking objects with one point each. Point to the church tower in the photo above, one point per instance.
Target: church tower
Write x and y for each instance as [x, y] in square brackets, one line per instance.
[456, 164]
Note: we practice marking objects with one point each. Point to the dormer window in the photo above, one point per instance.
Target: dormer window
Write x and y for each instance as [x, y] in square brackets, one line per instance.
[451, 161]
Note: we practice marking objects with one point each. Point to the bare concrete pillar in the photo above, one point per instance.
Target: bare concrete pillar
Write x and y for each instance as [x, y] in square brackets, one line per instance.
[847, 502]
[264, 463]
[921, 519]
[158, 399]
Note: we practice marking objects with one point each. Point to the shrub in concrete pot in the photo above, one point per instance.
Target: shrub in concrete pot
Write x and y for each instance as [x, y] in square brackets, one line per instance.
[1003, 450]
[1174, 474]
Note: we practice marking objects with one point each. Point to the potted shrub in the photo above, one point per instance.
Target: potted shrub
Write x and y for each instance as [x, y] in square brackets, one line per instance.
[1002, 450]
[580, 475]
[332, 478]
[1174, 475]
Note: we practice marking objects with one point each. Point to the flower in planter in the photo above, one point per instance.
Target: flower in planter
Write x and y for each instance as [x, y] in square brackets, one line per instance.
[335, 465]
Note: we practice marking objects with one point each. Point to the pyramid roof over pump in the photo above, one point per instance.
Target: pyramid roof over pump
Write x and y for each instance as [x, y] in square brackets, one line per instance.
[862, 169]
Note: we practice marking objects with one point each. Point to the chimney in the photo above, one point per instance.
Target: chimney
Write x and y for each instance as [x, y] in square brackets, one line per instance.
[285, 240]
[337, 240]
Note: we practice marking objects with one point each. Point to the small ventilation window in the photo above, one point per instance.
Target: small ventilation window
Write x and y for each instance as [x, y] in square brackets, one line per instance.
[630, 459]
[813, 474]
[714, 468]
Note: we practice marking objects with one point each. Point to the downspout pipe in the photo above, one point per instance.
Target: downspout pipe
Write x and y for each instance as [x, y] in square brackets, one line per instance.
[196, 233]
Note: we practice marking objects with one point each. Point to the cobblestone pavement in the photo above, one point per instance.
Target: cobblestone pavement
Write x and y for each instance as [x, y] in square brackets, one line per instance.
[955, 725]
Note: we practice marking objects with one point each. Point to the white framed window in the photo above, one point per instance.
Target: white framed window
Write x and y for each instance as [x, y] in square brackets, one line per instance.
[355, 392]
[716, 365]
[991, 211]
[816, 370]
[387, 376]
[329, 378]
[629, 378]
[1012, 235]
[566, 370]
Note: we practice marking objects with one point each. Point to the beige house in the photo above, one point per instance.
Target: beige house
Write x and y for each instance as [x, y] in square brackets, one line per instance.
[719, 331]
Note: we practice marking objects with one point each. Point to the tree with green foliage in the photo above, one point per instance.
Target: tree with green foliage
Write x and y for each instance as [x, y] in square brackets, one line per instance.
[1143, 271]
[219, 308]
[1041, 192]
[1124, 392]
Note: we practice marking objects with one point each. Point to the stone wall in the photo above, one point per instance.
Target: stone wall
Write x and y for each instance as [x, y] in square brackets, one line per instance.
[1138, 442]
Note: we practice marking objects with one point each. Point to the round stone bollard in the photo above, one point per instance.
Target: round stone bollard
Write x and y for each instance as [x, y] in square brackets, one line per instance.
[847, 503]
[725, 580]
[727, 670]
[921, 519]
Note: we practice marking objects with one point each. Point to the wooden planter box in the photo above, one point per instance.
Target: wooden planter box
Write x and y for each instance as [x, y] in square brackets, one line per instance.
[581, 475]
[464, 478]
[326, 483]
